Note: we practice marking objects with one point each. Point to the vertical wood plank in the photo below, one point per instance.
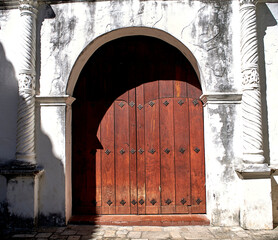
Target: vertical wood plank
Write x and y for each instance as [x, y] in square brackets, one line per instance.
[182, 157]
[167, 185]
[167, 155]
[108, 166]
[141, 170]
[198, 189]
[152, 143]
[132, 152]
[122, 156]
[98, 175]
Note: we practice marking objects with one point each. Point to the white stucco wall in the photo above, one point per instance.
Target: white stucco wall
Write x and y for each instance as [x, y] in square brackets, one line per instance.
[271, 74]
[206, 29]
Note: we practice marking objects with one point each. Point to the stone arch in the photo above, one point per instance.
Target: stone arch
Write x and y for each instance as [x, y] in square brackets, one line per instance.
[124, 32]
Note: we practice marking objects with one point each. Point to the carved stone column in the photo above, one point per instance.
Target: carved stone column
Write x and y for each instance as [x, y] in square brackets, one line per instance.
[255, 175]
[25, 145]
[251, 98]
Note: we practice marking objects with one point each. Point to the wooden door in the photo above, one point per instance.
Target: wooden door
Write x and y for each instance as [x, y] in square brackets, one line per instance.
[142, 153]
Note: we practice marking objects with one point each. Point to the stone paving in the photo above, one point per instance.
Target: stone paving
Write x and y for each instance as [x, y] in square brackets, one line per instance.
[87, 232]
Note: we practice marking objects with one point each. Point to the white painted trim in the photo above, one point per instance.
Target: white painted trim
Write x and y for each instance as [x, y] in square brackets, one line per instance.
[55, 100]
[221, 98]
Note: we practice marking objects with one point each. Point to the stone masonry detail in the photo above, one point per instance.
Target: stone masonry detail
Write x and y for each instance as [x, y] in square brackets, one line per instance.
[251, 97]
[25, 145]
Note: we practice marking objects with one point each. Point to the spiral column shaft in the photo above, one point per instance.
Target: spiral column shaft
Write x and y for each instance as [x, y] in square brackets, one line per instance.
[25, 142]
[251, 98]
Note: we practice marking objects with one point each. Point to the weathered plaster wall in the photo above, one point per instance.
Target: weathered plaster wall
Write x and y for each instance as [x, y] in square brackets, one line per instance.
[8, 83]
[223, 154]
[206, 30]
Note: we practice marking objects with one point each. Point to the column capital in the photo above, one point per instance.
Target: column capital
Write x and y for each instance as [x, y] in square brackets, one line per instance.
[28, 6]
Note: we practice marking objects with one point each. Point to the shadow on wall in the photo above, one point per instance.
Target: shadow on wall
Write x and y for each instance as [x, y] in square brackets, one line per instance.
[52, 182]
[8, 108]
[8, 116]
[266, 19]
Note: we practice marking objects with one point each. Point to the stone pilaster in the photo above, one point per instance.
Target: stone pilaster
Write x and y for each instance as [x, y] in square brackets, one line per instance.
[251, 97]
[25, 147]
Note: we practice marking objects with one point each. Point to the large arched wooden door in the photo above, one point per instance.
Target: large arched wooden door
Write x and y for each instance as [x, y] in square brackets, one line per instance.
[138, 132]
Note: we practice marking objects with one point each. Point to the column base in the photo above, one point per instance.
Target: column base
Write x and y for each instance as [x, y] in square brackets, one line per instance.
[253, 158]
[256, 202]
[29, 158]
[20, 208]
[253, 171]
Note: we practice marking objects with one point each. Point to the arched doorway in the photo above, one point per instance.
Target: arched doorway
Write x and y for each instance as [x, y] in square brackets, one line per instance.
[137, 132]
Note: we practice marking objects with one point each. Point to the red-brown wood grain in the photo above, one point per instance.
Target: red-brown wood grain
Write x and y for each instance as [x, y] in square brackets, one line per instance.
[132, 152]
[152, 143]
[98, 176]
[182, 157]
[141, 165]
[198, 193]
[108, 162]
[121, 126]
[167, 158]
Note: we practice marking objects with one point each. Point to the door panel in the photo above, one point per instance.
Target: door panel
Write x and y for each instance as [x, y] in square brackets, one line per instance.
[182, 157]
[152, 156]
[152, 148]
[141, 163]
[108, 200]
[196, 157]
[98, 177]
[122, 157]
[132, 152]
[167, 155]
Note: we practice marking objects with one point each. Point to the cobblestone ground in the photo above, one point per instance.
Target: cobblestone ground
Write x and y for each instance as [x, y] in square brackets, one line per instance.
[81, 232]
